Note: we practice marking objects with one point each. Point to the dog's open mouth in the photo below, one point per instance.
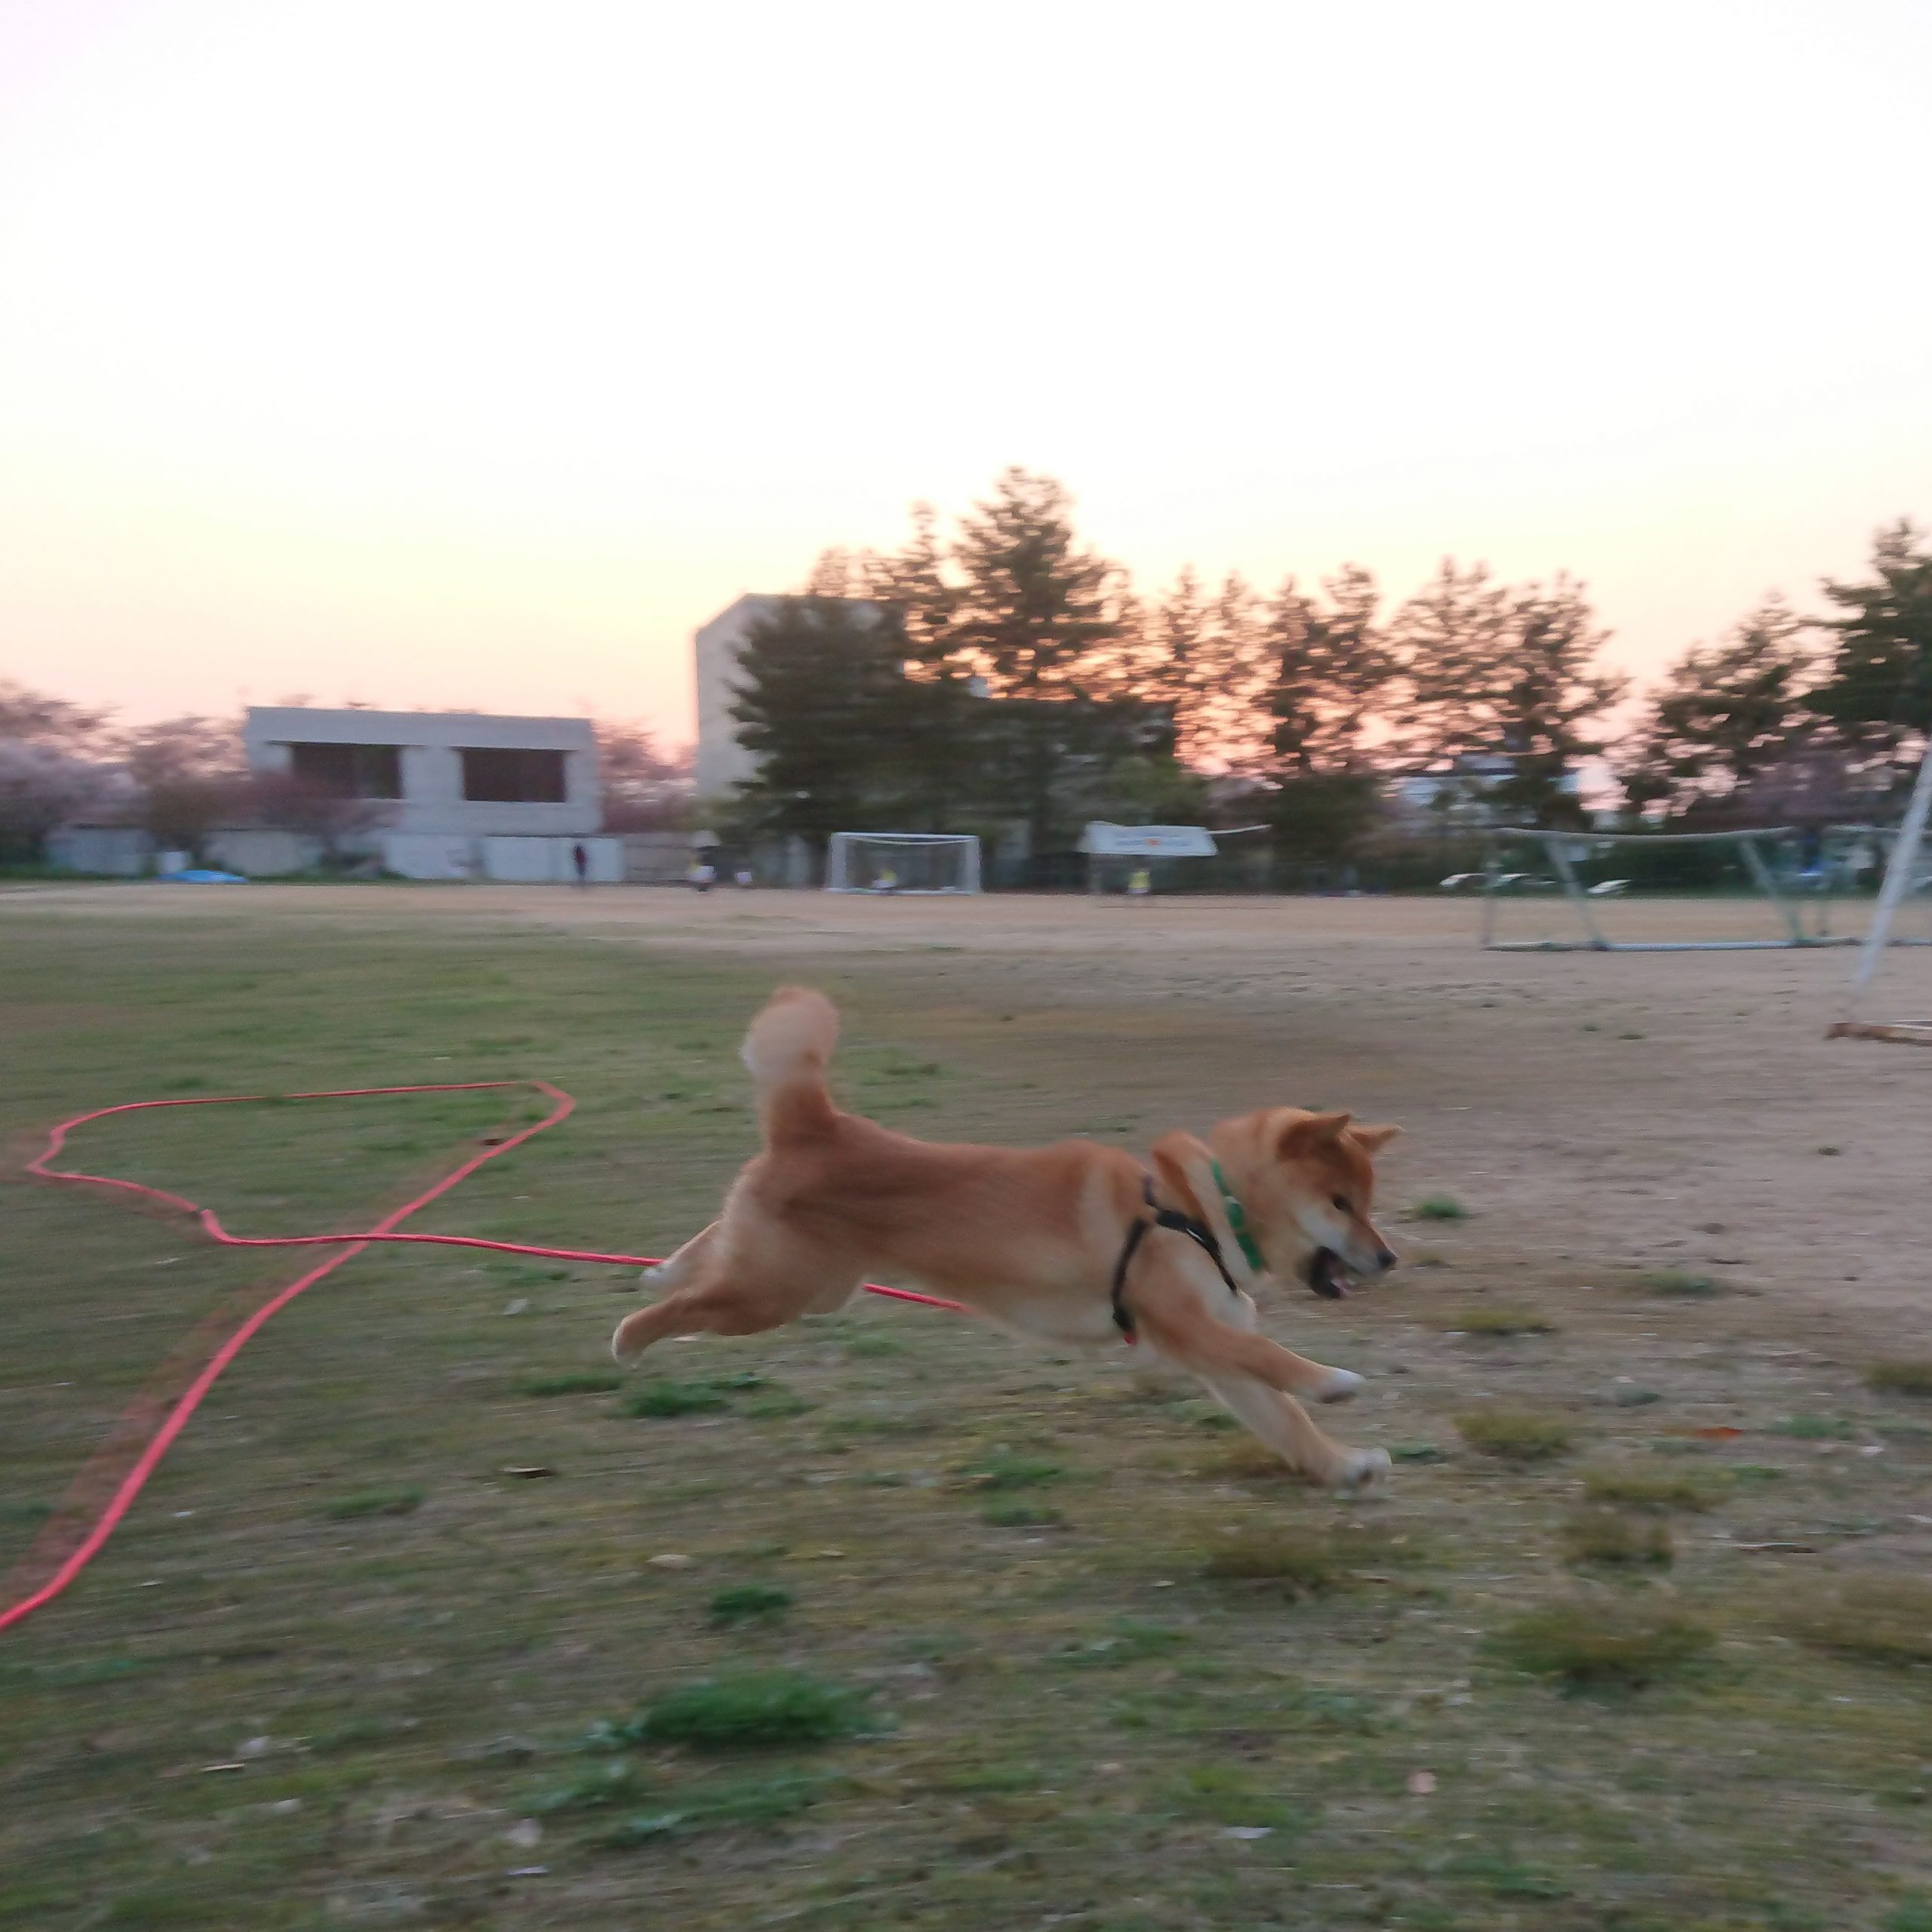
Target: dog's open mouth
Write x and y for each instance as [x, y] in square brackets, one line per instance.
[1326, 1275]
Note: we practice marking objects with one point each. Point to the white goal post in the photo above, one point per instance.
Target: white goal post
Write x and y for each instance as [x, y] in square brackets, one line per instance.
[1791, 878]
[1908, 875]
[922, 861]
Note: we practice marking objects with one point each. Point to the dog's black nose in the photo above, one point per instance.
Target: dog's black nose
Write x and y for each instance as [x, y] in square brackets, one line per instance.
[1385, 1259]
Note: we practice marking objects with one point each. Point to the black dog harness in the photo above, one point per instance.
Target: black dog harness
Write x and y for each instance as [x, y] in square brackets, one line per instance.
[1160, 1218]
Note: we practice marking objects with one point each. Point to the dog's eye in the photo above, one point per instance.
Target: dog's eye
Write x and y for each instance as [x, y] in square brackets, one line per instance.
[1341, 1201]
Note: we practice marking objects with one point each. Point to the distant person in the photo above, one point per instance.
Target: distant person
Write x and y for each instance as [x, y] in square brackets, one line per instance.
[744, 879]
[580, 858]
[885, 880]
[1139, 883]
[702, 875]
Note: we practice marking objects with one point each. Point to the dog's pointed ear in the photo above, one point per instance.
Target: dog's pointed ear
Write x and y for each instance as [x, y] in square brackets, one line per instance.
[1373, 1139]
[1313, 1131]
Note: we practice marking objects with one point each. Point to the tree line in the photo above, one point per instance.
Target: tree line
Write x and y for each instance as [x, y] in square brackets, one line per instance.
[1008, 673]
[1011, 673]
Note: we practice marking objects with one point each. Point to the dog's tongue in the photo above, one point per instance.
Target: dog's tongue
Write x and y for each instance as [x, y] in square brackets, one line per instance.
[1328, 1277]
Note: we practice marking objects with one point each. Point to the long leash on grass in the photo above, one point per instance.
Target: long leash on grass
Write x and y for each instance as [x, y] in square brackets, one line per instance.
[349, 1246]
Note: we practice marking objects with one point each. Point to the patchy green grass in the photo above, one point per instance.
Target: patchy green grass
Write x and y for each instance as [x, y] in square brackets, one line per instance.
[1514, 1435]
[1901, 1375]
[1877, 1620]
[1615, 1537]
[1440, 1207]
[1673, 1284]
[1003, 1469]
[1297, 1562]
[745, 1603]
[1586, 1644]
[1011, 1514]
[1490, 1320]
[1815, 1428]
[759, 1711]
[373, 1503]
[1632, 1486]
[667, 1397]
[1032, 1711]
[574, 1381]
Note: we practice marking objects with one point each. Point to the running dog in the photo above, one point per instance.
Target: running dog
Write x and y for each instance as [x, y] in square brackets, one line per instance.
[1075, 1242]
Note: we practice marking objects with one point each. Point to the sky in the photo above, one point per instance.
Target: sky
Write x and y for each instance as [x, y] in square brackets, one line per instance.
[447, 353]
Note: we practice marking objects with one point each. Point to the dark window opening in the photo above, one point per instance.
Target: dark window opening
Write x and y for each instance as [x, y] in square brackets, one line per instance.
[513, 777]
[349, 771]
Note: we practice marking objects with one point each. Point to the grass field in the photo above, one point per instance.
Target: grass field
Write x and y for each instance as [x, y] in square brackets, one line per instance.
[885, 1621]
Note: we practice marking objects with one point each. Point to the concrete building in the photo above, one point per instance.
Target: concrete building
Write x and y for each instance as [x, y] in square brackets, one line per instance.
[722, 762]
[463, 794]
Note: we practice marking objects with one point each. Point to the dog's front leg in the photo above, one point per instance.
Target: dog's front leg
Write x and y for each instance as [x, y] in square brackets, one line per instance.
[1286, 1428]
[1250, 1375]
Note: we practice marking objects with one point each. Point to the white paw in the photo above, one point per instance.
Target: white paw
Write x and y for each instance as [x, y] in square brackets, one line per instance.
[1364, 1468]
[617, 1347]
[1341, 1384]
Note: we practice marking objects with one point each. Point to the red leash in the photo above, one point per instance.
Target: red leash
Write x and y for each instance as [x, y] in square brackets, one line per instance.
[350, 1245]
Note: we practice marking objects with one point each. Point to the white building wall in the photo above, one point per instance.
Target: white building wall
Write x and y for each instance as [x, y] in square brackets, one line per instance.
[431, 743]
[261, 851]
[720, 761]
[115, 851]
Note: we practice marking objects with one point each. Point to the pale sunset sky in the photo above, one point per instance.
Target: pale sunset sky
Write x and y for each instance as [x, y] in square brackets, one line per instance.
[442, 352]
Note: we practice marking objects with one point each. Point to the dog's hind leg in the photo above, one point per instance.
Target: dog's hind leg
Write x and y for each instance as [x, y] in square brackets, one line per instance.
[735, 1296]
[670, 1275]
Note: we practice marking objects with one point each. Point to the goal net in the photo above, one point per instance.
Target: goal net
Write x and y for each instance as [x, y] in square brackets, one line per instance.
[901, 861]
[1676, 892]
[1901, 918]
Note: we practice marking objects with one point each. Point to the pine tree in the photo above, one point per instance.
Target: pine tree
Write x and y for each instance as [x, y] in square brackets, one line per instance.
[1486, 669]
[1174, 668]
[1449, 641]
[1039, 611]
[1550, 697]
[1329, 667]
[1726, 715]
[1236, 725]
[1879, 688]
[1045, 620]
[913, 581]
[819, 692]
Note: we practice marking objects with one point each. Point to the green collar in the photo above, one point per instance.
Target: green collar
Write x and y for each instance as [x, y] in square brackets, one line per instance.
[1237, 1220]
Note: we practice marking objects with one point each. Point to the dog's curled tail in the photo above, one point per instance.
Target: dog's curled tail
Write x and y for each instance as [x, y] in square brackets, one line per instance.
[788, 1048]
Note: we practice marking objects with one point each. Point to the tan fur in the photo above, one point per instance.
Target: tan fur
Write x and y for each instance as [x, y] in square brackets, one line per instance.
[1029, 1237]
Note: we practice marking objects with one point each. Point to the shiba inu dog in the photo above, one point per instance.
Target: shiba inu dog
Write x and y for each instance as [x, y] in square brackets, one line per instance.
[1074, 1242]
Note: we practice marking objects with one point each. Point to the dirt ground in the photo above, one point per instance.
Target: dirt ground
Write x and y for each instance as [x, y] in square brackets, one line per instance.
[1682, 1109]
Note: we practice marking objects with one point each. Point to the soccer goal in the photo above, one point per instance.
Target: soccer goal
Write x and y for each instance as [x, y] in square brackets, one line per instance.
[1546, 891]
[1899, 918]
[901, 861]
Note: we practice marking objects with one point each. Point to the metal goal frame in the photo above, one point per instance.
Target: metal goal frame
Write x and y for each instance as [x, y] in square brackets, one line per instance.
[1906, 872]
[839, 850]
[1556, 845]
